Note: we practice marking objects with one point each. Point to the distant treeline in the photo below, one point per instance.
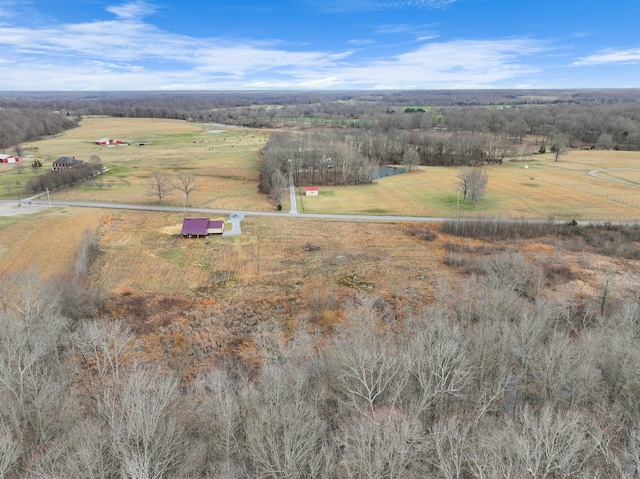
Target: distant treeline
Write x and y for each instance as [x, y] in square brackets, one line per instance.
[18, 125]
[598, 118]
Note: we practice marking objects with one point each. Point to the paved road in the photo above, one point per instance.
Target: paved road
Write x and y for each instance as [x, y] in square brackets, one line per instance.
[292, 196]
[36, 205]
[200, 211]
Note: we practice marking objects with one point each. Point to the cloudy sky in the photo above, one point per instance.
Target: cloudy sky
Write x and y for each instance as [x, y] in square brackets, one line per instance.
[318, 44]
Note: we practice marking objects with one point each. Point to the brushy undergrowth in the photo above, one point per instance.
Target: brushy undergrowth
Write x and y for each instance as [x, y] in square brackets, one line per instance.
[610, 239]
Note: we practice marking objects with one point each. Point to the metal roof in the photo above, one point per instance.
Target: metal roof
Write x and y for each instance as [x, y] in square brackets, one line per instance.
[195, 226]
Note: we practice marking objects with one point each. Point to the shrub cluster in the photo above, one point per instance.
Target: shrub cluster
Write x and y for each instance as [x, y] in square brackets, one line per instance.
[53, 180]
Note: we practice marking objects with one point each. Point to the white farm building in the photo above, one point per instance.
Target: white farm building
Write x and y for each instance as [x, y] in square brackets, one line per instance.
[9, 159]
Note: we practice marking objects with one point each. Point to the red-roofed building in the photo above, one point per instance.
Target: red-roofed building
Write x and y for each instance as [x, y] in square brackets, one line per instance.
[108, 141]
[201, 227]
[9, 159]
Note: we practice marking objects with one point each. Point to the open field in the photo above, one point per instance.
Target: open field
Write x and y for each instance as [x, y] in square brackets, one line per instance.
[47, 241]
[226, 163]
[272, 253]
[561, 190]
[213, 294]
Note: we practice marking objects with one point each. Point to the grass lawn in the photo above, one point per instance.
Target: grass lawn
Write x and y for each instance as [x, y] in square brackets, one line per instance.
[547, 188]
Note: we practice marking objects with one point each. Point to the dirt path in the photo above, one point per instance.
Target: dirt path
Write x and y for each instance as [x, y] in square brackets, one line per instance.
[596, 174]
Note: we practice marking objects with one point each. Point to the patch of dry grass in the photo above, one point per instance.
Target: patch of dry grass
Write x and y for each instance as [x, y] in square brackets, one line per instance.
[546, 189]
[47, 242]
[226, 162]
[143, 252]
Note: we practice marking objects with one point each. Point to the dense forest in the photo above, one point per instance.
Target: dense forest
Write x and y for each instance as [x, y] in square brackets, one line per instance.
[24, 124]
[497, 377]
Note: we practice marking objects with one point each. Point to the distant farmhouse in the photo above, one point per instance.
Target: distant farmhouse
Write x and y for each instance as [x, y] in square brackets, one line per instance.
[66, 163]
[108, 141]
[9, 159]
[311, 191]
[201, 227]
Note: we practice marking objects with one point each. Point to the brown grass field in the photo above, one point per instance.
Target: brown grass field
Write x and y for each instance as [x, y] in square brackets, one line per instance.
[143, 252]
[192, 301]
[226, 162]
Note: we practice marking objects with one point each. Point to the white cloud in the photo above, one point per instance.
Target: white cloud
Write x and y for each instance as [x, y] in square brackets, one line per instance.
[376, 5]
[610, 56]
[449, 64]
[137, 9]
[127, 53]
[8, 8]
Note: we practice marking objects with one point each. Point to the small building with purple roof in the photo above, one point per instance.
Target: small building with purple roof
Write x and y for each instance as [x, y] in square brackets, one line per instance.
[201, 227]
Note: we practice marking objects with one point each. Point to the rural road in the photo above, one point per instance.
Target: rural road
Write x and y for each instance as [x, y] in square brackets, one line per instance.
[234, 215]
[292, 196]
[240, 213]
[11, 208]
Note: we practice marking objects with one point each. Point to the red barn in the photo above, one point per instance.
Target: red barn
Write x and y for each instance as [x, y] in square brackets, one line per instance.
[9, 159]
[108, 141]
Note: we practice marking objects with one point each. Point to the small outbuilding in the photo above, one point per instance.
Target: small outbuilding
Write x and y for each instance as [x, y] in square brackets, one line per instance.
[311, 191]
[108, 141]
[215, 227]
[201, 227]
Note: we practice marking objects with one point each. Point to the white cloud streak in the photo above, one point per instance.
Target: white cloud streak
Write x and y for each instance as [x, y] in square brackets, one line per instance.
[377, 5]
[610, 56]
[127, 53]
[132, 10]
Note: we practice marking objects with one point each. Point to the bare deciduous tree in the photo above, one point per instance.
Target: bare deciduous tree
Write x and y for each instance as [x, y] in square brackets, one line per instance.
[410, 158]
[10, 451]
[440, 367]
[147, 434]
[472, 183]
[289, 438]
[102, 347]
[161, 185]
[448, 443]
[187, 184]
[221, 413]
[369, 373]
[278, 184]
[560, 145]
[386, 444]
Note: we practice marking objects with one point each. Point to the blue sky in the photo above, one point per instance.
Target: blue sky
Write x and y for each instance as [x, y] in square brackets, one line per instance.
[318, 44]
